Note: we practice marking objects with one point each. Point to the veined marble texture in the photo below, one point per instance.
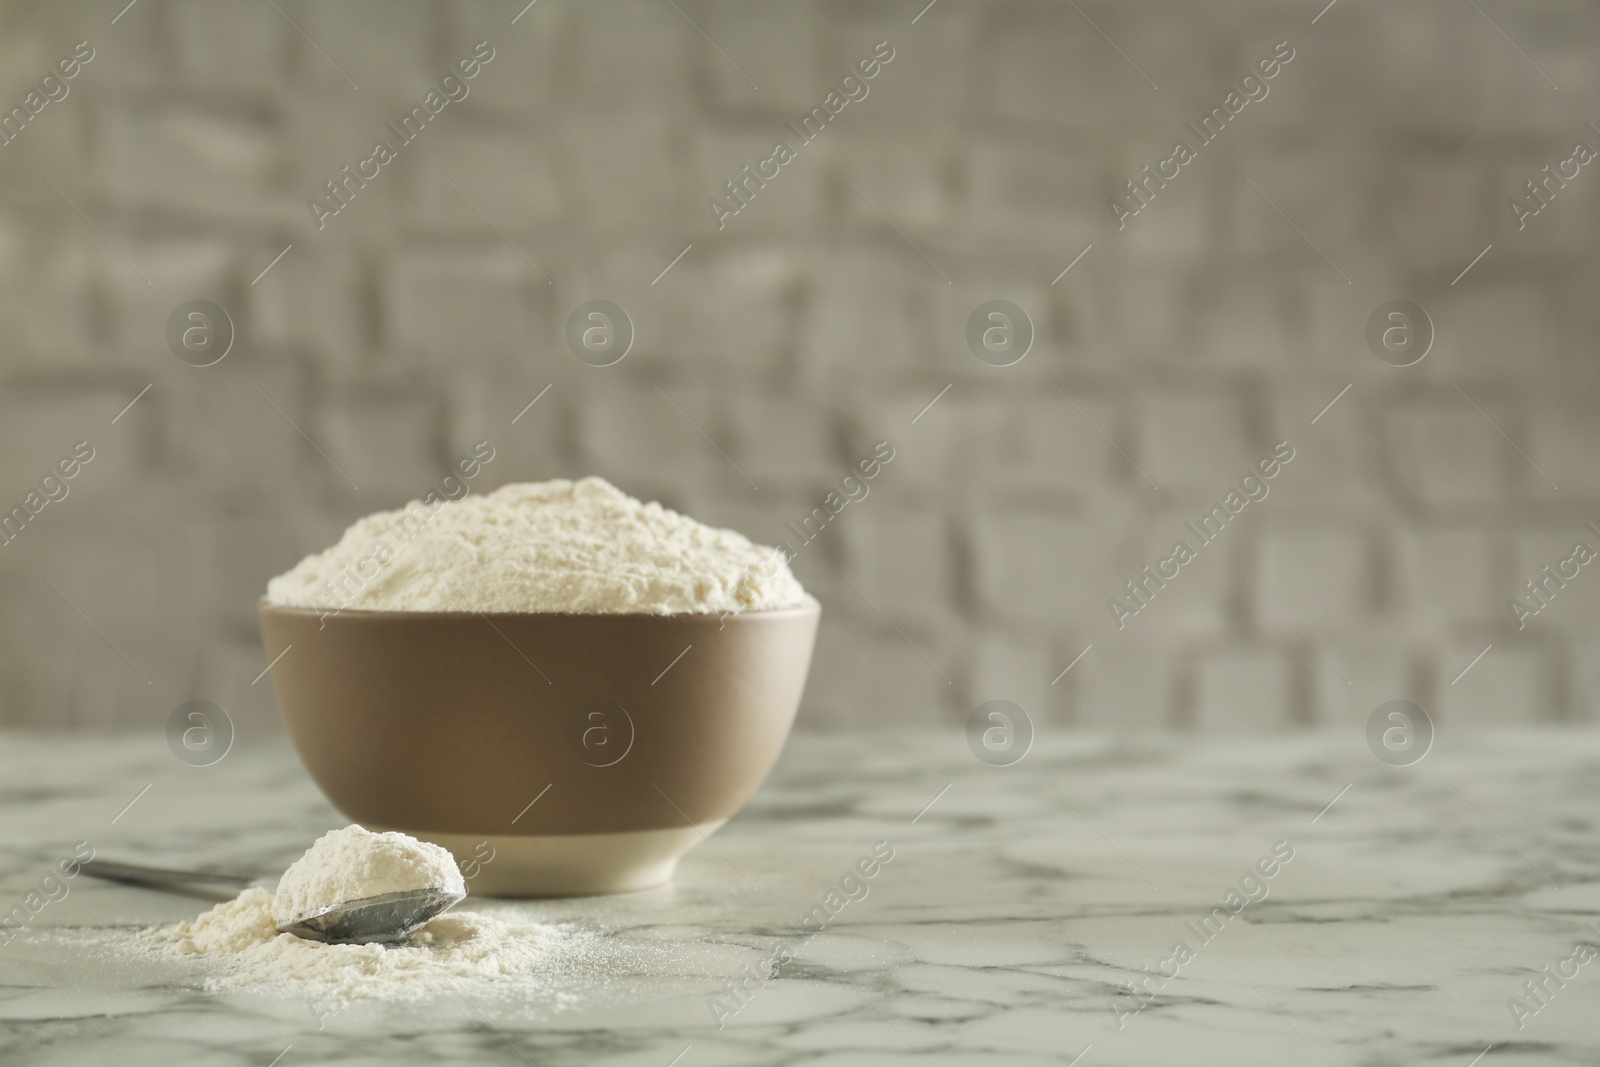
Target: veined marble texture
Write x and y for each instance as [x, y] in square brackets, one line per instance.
[1007, 929]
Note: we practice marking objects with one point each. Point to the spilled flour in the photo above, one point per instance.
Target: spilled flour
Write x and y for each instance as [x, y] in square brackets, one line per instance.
[240, 941]
[242, 937]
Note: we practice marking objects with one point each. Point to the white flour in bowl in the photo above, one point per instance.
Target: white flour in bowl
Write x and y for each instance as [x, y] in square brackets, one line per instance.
[240, 937]
[549, 547]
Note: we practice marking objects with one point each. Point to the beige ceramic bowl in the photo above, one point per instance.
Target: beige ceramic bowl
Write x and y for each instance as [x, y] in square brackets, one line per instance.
[554, 755]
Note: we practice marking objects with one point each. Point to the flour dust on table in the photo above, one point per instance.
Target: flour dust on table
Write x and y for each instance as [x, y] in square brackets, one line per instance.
[243, 949]
[246, 952]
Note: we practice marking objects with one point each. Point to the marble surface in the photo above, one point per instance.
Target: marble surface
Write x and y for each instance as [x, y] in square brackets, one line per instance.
[1017, 911]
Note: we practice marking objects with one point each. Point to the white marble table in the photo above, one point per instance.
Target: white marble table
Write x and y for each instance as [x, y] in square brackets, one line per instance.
[1006, 930]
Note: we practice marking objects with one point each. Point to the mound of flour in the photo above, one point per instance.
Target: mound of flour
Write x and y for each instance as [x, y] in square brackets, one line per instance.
[354, 862]
[550, 547]
[241, 940]
[240, 937]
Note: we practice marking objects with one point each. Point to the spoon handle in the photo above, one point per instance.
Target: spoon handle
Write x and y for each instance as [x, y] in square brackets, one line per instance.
[137, 874]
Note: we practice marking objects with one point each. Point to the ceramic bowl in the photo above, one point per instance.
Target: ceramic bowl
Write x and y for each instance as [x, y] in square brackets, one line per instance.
[554, 755]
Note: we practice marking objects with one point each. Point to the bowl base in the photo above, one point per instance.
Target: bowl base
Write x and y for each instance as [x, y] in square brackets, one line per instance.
[567, 865]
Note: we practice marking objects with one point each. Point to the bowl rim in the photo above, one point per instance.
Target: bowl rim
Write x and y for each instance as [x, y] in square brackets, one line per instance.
[814, 607]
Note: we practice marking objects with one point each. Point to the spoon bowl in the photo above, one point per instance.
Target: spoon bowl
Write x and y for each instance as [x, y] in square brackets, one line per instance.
[373, 920]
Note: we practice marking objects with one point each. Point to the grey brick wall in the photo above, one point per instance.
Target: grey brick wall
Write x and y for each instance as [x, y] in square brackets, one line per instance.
[827, 315]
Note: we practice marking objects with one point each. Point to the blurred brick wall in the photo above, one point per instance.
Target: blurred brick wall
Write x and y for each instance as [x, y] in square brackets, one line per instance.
[824, 317]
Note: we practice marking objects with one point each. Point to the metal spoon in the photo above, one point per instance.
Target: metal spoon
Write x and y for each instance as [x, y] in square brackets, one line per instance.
[388, 917]
[369, 920]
